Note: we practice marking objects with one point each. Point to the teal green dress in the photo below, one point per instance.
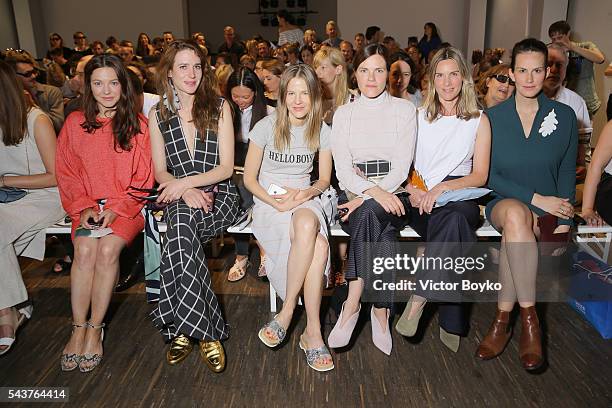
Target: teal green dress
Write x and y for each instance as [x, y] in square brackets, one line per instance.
[543, 163]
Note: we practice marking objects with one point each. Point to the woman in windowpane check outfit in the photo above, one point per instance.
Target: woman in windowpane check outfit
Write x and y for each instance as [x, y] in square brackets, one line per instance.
[192, 141]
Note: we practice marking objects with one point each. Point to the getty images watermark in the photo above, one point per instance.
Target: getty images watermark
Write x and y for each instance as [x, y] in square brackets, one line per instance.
[412, 264]
[465, 272]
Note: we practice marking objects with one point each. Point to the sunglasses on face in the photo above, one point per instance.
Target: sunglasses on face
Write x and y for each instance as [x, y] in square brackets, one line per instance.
[55, 38]
[27, 74]
[503, 79]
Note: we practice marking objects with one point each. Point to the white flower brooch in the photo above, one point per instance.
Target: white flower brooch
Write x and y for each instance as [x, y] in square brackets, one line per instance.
[549, 124]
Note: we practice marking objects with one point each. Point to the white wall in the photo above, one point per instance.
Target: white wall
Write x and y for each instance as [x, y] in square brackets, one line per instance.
[477, 22]
[201, 18]
[124, 19]
[403, 18]
[507, 23]
[8, 32]
[591, 20]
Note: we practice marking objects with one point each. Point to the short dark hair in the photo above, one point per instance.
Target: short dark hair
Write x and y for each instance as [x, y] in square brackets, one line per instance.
[561, 27]
[285, 15]
[13, 57]
[225, 56]
[528, 45]
[370, 50]
[371, 32]
[56, 52]
[110, 41]
[402, 56]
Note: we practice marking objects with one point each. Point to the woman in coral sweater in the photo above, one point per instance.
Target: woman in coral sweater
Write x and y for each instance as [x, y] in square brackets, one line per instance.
[102, 151]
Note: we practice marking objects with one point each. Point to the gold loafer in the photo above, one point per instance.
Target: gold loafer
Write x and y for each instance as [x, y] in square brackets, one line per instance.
[179, 349]
[213, 354]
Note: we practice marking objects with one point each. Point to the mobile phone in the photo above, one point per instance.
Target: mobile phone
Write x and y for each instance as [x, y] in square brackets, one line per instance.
[341, 213]
[578, 220]
[93, 223]
[274, 189]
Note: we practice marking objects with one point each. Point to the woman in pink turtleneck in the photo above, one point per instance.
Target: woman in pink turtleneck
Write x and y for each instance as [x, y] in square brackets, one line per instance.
[373, 141]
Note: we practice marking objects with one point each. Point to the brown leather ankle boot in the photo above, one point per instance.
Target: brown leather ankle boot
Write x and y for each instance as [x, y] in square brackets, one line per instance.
[530, 345]
[496, 338]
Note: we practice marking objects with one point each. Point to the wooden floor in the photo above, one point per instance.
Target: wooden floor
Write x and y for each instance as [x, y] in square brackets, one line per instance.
[419, 372]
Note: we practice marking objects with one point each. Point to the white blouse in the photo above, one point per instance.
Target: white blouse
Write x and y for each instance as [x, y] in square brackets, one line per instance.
[445, 147]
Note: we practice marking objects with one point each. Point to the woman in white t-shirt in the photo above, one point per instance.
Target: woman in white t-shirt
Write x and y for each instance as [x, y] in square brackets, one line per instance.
[453, 149]
[288, 217]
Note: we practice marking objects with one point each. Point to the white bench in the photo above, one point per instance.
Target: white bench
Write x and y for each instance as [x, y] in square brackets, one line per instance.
[599, 237]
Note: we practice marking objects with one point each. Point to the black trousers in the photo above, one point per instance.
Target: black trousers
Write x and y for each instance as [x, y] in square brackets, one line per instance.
[455, 224]
[373, 233]
[603, 198]
[246, 201]
[246, 197]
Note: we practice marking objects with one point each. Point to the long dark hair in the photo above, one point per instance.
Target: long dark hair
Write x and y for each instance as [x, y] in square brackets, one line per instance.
[206, 107]
[13, 107]
[140, 49]
[125, 121]
[434, 31]
[245, 77]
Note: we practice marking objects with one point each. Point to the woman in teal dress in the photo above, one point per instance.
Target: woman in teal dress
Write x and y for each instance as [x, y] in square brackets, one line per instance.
[532, 173]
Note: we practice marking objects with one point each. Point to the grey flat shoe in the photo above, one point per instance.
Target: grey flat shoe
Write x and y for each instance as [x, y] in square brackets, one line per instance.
[450, 340]
[313, 354]
[279, 331]
[408, 326]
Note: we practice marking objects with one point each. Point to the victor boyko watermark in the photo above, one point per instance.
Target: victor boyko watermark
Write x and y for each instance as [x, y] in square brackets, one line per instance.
[469, 272]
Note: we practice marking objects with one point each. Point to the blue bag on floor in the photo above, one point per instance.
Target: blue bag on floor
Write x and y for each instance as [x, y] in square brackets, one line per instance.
[590, 292]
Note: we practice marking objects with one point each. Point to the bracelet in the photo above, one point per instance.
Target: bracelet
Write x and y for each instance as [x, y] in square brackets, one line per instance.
[316, 188]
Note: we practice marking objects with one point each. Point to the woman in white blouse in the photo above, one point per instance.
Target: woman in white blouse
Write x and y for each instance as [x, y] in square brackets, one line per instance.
[453, 149]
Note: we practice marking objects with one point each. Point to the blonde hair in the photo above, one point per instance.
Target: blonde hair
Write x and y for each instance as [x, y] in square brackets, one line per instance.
[223, 73]
[467, 103]
[314, 120]
[334, 24]
[311, 32]
[336, 59]
[251, 48]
